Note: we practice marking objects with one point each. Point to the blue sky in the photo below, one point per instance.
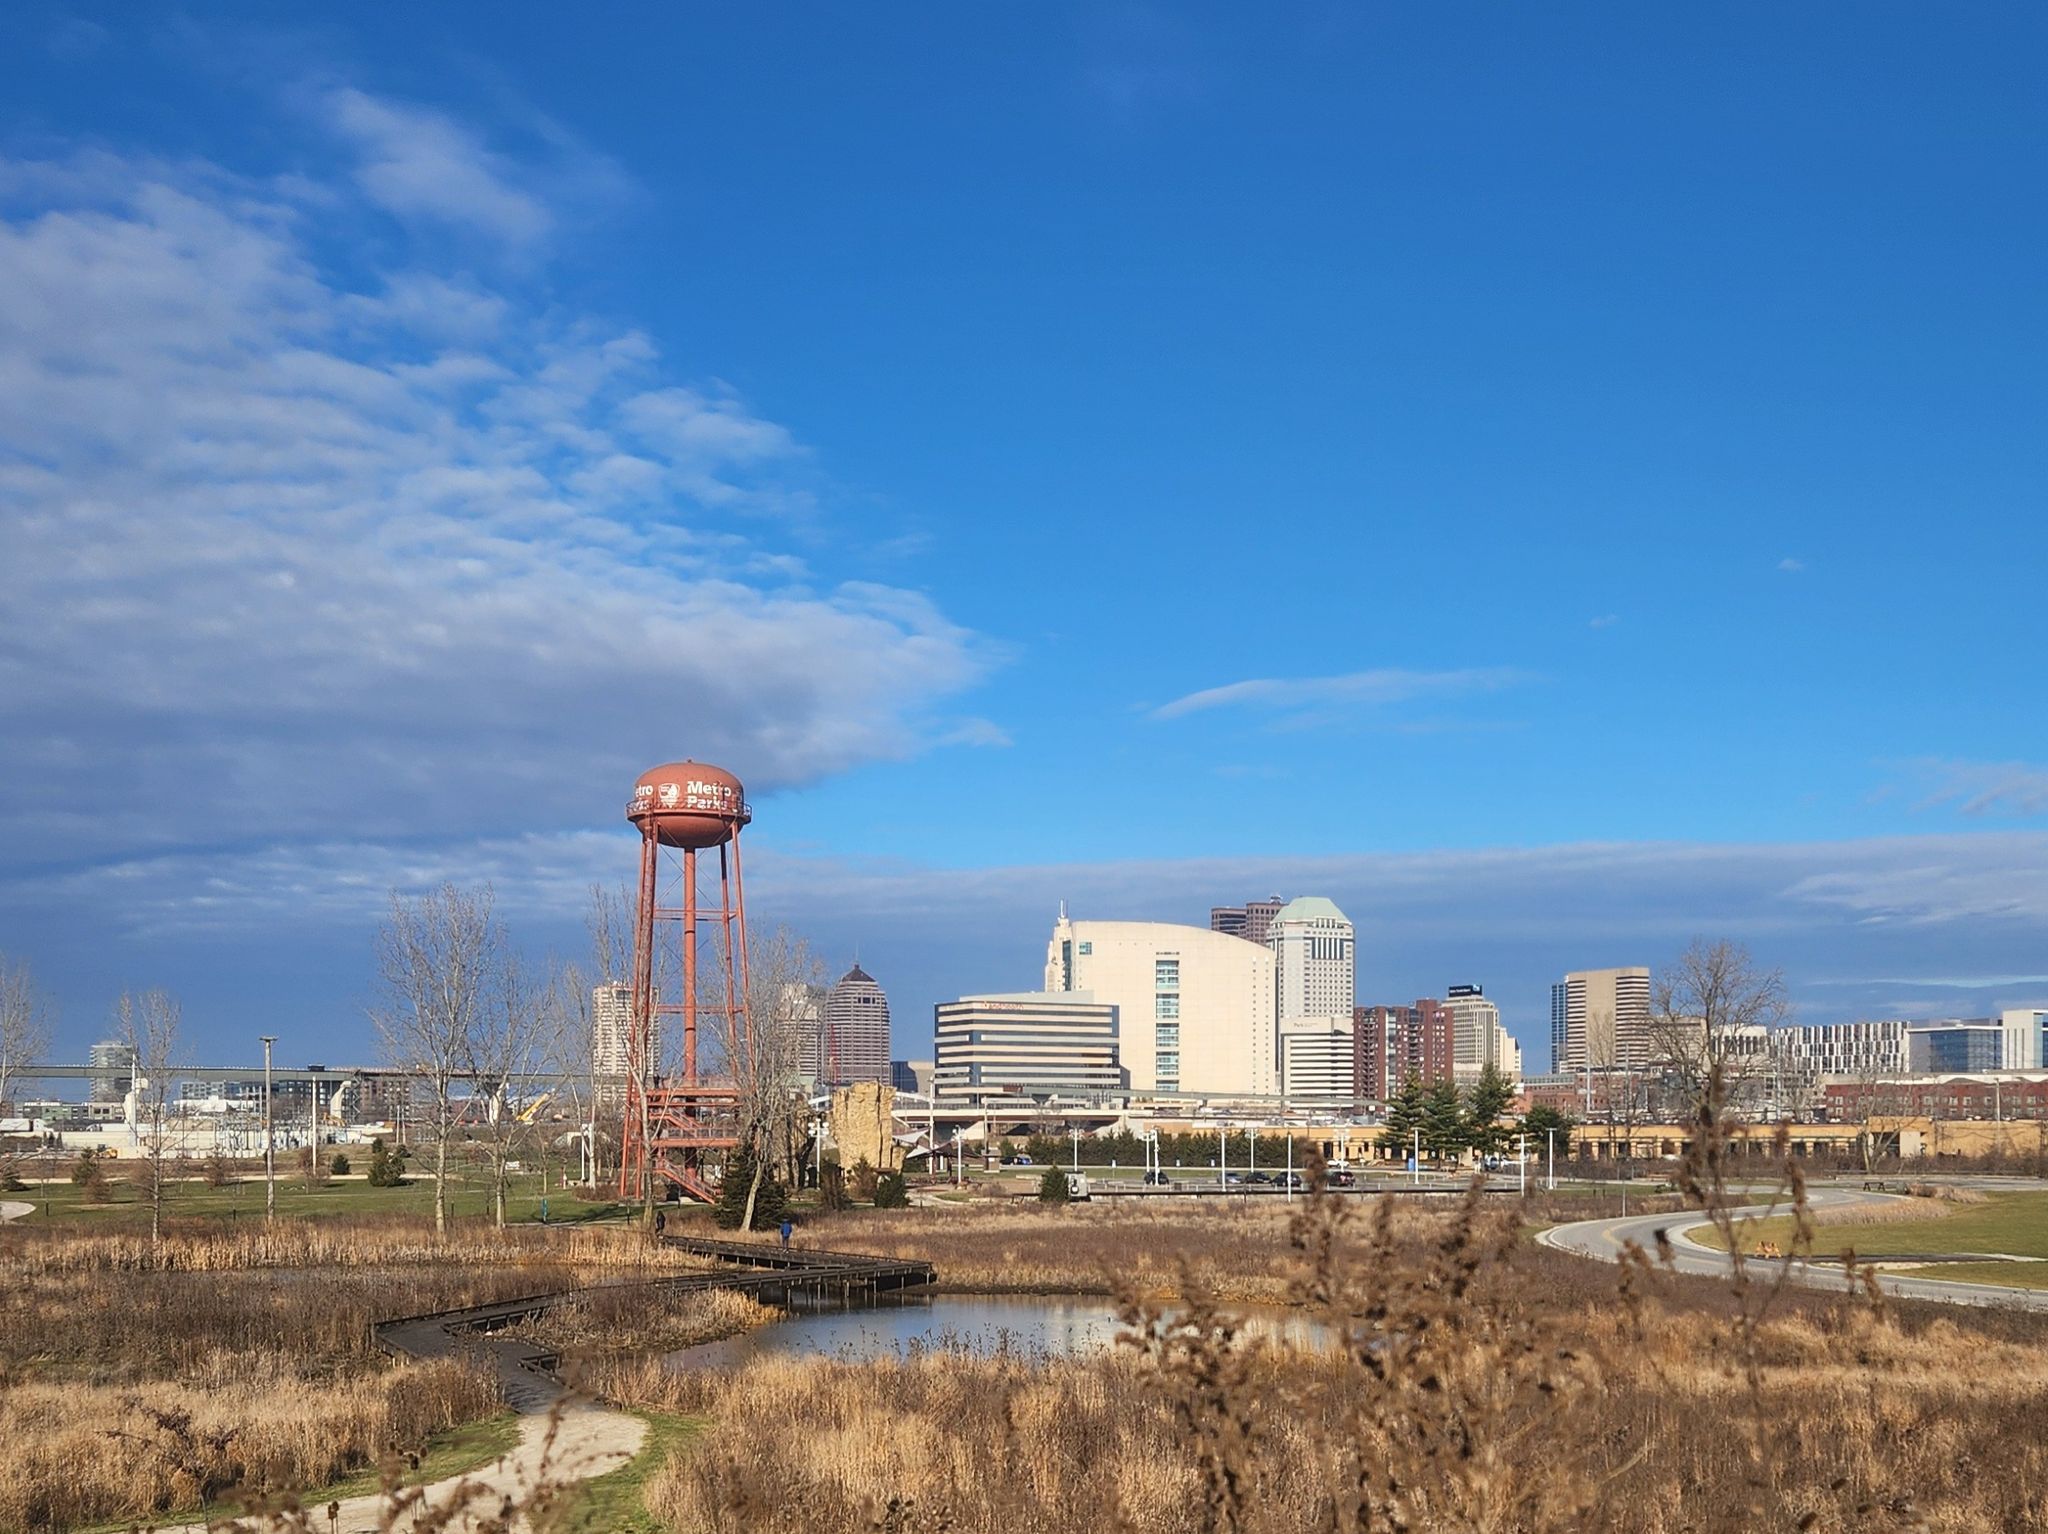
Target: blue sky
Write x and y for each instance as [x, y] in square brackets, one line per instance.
[1555, 481]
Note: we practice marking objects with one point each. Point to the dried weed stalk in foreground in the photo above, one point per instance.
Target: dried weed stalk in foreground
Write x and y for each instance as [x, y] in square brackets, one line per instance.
[1470, 1383]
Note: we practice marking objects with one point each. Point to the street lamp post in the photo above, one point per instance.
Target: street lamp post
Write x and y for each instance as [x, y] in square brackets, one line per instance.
[269, 1139]
[1551, 1152]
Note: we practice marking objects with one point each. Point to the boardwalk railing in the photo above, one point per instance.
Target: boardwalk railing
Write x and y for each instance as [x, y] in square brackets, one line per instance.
[771, 1273]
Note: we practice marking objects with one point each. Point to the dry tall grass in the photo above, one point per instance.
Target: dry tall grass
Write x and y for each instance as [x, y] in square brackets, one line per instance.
[1475, 1382]
[262, 1336]
[87, 1454]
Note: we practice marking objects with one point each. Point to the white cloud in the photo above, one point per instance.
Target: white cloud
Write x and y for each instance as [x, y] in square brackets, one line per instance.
[1604, 621]
[1791, 566]
[1986, 788]
[287, 555]
[417, 163]
[1357, 689]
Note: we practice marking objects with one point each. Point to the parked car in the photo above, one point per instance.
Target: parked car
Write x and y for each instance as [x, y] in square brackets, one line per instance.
[1233, 1180]
[1343, 1180]
[1158, 1180]
[1259, 1177]
[1291, 1180]
[1023, 1161]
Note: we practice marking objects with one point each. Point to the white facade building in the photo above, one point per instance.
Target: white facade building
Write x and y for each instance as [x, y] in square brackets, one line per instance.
[1194, 1007]
[1023, 1045]
[1317, 1062]
[2026, 1038]
[1863, 1051]
[1314, 959]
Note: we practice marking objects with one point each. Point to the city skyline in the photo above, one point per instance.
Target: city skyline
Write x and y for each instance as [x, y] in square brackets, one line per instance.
[417, 427]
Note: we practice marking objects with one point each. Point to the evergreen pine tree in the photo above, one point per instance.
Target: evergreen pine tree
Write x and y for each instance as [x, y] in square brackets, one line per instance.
[891, 1191]
[1538, 1123]
[1443, 1121]
[769, 1201]
[1052, 1187]
[1491, 1094]
[1404, 1117]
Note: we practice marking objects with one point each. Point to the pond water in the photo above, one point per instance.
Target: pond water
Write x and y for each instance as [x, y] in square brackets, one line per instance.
[1029, 1326]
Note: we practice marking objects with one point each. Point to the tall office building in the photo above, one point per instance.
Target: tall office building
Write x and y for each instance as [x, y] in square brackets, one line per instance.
[1318, 1063]
[856, 1042]
[1559, 1010]
[611, 1037]
[112, 1065]
[1477, 1037]
[1607, 1019]
[1021, 1045]
[1313, 960]
[1394, 1043]
[2025, 1046]
[1955, 1044]
[1194, 1007]
[1250, 921]
[801, 1009]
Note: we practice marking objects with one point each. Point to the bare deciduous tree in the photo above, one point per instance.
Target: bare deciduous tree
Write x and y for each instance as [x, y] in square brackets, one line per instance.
[148, 1026]
[1712, 1015]
[24, 1037]
[437, 958]
[510, 1040]
[773, 1111]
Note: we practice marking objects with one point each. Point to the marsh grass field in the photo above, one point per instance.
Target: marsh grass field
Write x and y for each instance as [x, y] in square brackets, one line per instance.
[139, 1380]
[1474, 1381]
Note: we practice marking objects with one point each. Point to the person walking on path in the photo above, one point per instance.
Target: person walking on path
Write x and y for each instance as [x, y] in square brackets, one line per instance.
[787, 1227]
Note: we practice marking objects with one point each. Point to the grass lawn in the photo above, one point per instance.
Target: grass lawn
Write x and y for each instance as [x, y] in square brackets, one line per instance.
[610, 1504]
[2010, 1275]
[469, 1198]
[455, 1452]
[2006, 1222]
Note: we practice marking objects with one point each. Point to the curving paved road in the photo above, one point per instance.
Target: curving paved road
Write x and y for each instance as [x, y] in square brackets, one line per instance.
[1604, 1240]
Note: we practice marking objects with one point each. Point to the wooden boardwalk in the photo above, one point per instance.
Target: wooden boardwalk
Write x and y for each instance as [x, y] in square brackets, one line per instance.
[766, 1270]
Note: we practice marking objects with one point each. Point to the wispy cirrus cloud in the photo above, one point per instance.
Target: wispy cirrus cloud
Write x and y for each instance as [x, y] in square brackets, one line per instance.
[1319, 696]
[1984, 788]
[1790, 566]
[417, 163]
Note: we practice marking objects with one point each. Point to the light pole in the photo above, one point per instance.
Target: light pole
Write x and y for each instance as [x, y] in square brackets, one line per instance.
[1222, 1157]
[1522, 1161]
[1551, 1135]
[269, 1140]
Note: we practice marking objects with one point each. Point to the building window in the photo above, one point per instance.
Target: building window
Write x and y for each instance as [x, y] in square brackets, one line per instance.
[1166, 1006]
[1166, 974]
[1086, 948]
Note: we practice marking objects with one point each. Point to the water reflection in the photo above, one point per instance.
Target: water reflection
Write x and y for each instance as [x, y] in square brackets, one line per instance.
[1027, 1326]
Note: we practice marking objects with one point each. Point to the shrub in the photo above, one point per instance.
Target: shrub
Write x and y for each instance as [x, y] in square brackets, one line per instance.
[1052, 1187]
[832, 1188]
[216, 1170]
[862, 1180]
[89, 1175]
[386, 1170]
[891, 1192]
[339, 1165]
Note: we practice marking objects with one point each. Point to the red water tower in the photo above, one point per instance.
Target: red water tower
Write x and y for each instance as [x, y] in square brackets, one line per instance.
[674, 1120]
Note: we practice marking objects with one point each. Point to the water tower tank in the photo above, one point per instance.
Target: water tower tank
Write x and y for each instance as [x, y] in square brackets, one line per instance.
[689, 804]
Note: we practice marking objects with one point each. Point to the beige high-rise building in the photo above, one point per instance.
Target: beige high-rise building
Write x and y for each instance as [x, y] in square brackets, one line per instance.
[1194, 1007]
[1314, 960]
[611, 1040]
[1607, 1018]
[1477, 1037]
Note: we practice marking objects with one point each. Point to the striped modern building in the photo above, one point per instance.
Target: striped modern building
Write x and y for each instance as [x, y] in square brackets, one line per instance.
[1026, 1045]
